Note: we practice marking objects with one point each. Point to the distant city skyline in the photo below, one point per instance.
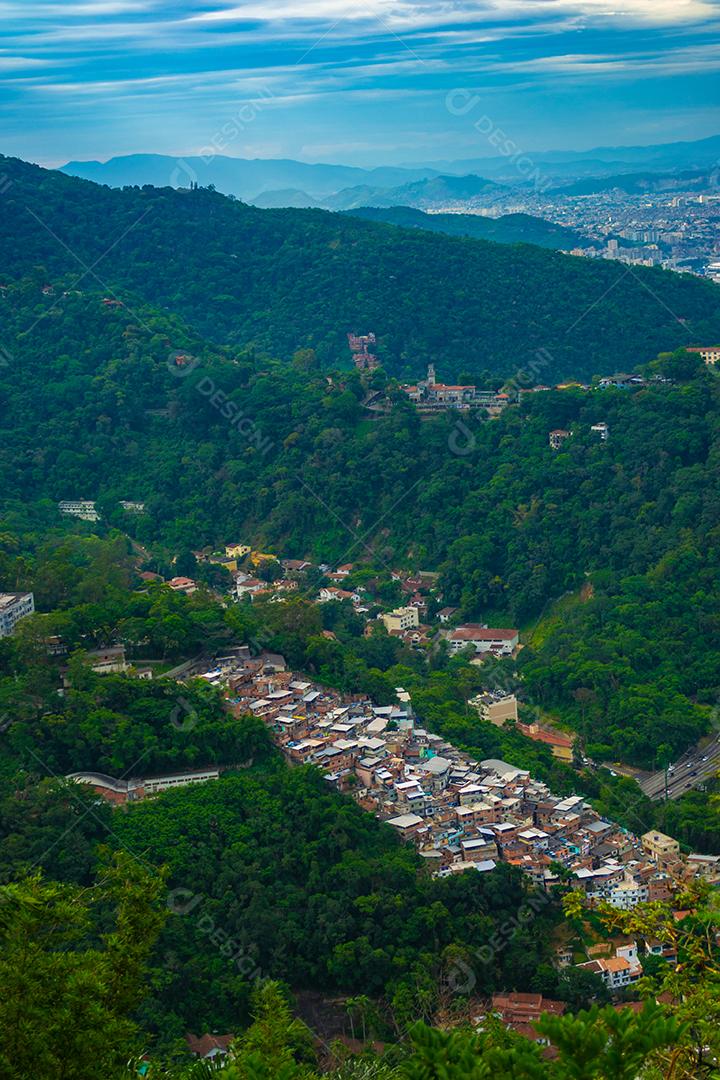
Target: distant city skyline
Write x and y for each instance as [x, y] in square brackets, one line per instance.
[359, 82]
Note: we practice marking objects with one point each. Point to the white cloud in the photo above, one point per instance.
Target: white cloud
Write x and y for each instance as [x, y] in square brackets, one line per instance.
[60, 10]
[22, 63]
[399, 13]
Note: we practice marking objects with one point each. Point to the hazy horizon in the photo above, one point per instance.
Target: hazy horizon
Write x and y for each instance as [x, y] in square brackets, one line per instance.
[405, 163]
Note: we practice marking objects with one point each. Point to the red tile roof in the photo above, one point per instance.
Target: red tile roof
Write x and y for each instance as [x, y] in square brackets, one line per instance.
[207, 1043]
[478, 633]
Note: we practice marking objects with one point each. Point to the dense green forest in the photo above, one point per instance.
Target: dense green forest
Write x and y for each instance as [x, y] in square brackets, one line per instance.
[89, 952]
[281, 280]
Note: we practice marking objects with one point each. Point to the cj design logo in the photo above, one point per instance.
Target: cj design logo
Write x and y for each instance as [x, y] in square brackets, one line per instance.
[183, 175]
[461, 440]
[183, 901]
[183, 717]
[181, 364]
[460, 978]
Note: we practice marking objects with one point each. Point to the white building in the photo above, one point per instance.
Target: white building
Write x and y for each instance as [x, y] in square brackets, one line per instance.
[619, 971]
[13, 607]
[627, 894]
[79, 508]
[483, 640]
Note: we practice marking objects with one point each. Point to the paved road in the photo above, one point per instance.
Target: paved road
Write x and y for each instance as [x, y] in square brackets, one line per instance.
[688, 772]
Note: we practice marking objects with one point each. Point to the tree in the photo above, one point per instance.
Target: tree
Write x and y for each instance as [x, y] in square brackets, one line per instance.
[269, 570]
[581, 988]
[276, 1046]
[67, 992]
[600, 1044]
[186, 564]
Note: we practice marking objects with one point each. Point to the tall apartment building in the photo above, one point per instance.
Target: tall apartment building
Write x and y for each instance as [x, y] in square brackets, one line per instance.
[13, 607]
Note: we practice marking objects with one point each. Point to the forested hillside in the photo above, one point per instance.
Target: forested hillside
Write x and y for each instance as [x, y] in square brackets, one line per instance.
[94, 405]
[285, 279]
[506, 229]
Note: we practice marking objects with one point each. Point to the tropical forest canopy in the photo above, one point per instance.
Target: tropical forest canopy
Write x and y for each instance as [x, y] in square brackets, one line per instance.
[281, 280]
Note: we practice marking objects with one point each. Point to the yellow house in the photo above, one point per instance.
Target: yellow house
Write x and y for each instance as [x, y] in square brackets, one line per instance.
[661, 847]
[224, 560]
[237, 551]
[257, 557]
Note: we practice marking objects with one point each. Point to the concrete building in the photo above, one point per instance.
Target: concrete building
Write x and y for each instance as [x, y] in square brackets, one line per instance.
[705, 866]
[560, 744]
[79, 508]
[484, 640]
[557, 437]
[619, 971]
[661, 847]
[108, 661]
[499, 710]
[404, 618]
[237, 551]
[122, 791]
[710, 354]
[13, 607]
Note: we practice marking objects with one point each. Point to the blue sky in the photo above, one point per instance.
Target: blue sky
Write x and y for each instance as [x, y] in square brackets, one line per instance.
[358, 81]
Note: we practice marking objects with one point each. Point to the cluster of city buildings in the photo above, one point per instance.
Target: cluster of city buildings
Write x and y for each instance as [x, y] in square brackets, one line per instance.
[462, 815]
[677, 232]
[676, 228]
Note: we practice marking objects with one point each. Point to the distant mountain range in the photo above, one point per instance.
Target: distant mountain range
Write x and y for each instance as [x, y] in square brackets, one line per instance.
[302, 184]
[244, 178]
[436, 192]
[639, 183]
[600, 161]
[506, 229]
